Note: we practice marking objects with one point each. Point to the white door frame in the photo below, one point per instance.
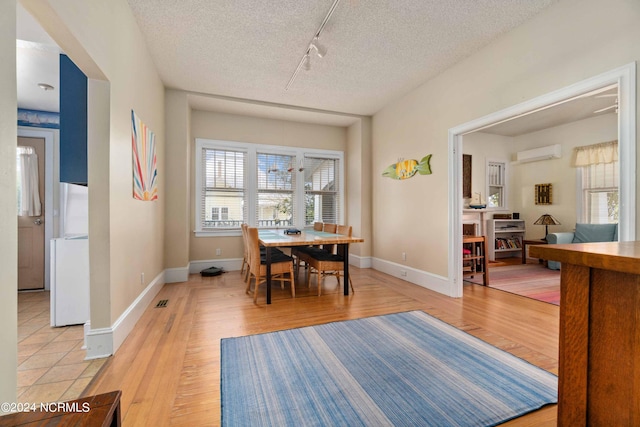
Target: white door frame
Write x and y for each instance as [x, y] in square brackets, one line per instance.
[49, 137]
[625, 78]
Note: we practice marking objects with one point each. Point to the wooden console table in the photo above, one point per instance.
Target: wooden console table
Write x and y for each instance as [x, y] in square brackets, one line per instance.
[102, 410]
[599, 360]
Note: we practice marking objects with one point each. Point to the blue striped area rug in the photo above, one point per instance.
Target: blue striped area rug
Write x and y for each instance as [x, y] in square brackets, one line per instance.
[404, 369]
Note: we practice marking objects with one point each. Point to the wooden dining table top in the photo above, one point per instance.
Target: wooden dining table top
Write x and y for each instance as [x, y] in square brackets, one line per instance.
[278, 238]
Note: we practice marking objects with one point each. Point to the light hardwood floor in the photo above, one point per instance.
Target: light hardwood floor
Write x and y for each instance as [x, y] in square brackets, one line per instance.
[169, 367]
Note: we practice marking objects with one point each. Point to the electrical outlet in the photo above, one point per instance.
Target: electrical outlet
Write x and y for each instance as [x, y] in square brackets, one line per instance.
[404, 256]
[403, 273]
[218, 252]
[142, 278]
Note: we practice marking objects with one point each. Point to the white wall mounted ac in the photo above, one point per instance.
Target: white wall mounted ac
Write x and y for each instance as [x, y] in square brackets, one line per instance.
[542, 153]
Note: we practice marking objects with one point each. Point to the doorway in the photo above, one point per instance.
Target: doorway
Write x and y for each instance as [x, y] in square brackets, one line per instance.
[33, 247]
[625, 78]
[30, 170]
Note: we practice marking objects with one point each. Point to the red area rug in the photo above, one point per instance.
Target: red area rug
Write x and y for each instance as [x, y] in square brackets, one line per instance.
[529, 280]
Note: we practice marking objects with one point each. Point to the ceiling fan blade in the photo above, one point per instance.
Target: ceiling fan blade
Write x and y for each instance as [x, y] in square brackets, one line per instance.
[606, 108]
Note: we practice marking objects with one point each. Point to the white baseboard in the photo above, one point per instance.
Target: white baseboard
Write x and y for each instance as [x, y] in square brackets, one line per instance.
[360, 261]
[229, 264]
[176, 275]
[104, 342]
[421, 278]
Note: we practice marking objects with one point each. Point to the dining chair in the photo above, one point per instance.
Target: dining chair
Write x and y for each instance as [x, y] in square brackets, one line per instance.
[298, 251]
[281, 264]
[324, 263]
[245, 259]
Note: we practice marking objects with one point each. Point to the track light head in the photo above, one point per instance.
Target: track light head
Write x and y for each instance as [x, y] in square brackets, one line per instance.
[306, 63]
[321, 50]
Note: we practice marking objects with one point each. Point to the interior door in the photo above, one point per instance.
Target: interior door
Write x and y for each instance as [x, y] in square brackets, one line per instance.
[31, 230]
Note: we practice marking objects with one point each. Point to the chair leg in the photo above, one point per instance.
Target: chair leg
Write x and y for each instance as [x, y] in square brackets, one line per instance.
[248, 288]
[320, 280]
[353, 291]
[293, 283]
[255, 291]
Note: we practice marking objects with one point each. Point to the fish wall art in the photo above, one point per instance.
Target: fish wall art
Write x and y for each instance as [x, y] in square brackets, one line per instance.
[405, 169]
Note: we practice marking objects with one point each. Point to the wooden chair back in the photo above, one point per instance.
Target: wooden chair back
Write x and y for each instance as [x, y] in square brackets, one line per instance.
[318, 226]
[329, 228]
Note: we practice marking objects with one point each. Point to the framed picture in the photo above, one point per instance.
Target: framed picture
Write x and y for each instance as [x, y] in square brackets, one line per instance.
[544, 194]
[466, 176]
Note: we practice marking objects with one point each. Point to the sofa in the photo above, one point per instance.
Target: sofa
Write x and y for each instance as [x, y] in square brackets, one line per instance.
[584, 233]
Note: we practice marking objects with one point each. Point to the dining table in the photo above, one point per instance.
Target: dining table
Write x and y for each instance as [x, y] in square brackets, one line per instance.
[280, 239]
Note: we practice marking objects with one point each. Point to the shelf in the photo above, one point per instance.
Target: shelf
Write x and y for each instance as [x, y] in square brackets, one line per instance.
[504, 237]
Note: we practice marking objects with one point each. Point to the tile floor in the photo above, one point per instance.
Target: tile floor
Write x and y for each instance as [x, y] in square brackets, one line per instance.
[51, 365]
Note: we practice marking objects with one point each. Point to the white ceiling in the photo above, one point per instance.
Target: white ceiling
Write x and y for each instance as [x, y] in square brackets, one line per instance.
[378, 50]
[237, 57]
[37, 57]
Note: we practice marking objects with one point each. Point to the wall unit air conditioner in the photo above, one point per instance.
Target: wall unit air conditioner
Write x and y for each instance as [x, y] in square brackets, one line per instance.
[542, 153]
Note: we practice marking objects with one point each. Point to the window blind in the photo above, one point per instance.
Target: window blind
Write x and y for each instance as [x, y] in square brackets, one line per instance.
[276, 175]
[600, 186]
[321, 190]
[223, 203]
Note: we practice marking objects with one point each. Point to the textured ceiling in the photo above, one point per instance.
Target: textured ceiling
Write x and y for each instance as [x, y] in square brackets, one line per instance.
[378, 50]
[231, 53]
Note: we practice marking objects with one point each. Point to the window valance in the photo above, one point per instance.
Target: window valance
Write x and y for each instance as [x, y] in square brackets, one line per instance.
[604, 152]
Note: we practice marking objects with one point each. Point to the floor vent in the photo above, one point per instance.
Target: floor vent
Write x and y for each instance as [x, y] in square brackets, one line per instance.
[162, 303]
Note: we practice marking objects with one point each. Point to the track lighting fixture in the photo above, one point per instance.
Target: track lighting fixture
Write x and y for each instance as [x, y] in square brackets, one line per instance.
[321, 50]
[314, 45]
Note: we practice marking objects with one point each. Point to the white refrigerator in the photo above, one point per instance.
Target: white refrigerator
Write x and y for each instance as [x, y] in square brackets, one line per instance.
[70, 260]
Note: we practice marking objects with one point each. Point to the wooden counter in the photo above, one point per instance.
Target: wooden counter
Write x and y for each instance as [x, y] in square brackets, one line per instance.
[599, 360]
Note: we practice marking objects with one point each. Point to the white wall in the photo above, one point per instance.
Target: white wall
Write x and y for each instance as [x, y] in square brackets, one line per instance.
[568, 42]
[558, 172]
[8, 203]
[103, 39]
[484, 147]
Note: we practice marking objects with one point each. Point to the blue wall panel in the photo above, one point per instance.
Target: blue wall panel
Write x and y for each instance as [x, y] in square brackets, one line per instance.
[73, 123]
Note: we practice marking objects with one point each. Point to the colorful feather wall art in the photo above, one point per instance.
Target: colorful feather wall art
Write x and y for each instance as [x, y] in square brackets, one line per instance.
[145, 166]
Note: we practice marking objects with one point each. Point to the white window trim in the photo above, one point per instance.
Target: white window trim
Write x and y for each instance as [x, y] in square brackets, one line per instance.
[505, 186]
[251, 180]
[581, 208]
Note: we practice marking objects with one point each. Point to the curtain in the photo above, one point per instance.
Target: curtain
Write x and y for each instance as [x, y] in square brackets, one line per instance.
[605, 152]
[30, 194]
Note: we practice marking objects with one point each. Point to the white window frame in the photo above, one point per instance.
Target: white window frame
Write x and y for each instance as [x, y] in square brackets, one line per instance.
[581, 202]
[505, 185]
[251, 150]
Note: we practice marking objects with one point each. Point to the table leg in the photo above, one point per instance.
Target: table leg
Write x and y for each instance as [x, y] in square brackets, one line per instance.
[345, 279]
[268, 261]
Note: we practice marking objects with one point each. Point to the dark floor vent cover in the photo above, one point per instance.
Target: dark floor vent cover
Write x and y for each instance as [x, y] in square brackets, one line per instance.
[162, 303]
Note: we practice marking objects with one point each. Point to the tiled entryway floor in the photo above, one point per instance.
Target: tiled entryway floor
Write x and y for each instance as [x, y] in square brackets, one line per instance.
[51, 365]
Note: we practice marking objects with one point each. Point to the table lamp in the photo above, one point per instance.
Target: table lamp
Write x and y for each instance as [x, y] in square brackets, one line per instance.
[546, 220]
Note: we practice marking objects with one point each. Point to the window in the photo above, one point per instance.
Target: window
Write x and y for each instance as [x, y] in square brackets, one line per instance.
[496, 187]
[321, 195]
[276, 187]
[598, 182]
[265, 186]
[220, 214]
[600, 193]
[222, 184]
